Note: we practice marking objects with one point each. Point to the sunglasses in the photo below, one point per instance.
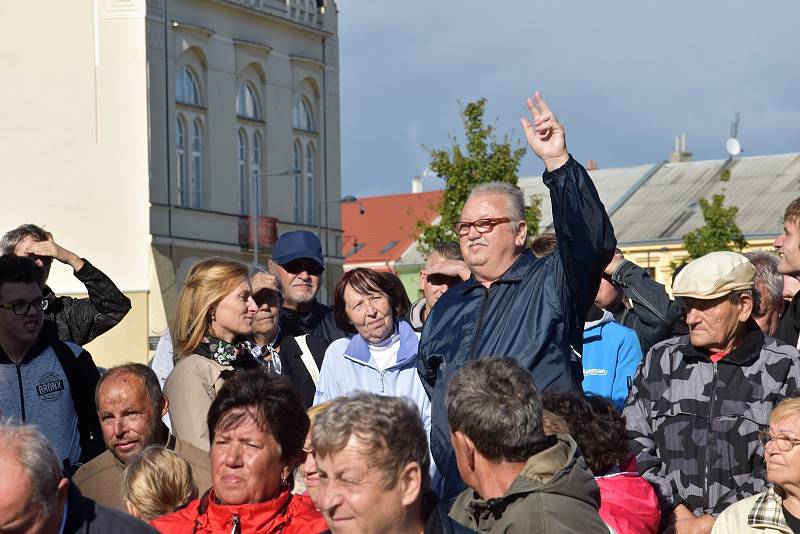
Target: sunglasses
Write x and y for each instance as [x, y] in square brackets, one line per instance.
[298, 266]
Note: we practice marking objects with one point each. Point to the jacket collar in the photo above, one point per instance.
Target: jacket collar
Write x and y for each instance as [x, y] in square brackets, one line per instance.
[359, 350]
[742, 355]
[513, 275]
[268, 516]
[767, 512]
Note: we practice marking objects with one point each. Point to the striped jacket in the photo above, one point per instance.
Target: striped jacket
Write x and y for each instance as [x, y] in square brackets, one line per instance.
[693, 424]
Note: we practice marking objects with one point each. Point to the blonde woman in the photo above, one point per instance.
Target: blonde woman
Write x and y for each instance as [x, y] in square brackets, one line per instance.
[157, 482]
[213, 318]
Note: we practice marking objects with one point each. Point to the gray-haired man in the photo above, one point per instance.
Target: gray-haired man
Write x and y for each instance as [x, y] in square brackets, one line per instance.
[373, 463]
[520, 480]
[37, 498]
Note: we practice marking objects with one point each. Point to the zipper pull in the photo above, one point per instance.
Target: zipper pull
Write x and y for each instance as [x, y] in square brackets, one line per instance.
[381, 376]
[715, 368]
[236, 529]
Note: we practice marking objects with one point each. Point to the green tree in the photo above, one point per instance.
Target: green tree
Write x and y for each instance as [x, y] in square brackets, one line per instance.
[484, 159]
[720, 231]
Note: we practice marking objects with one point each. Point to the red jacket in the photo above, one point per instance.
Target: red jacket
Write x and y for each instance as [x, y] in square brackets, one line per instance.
[628, 504]
[288, 514]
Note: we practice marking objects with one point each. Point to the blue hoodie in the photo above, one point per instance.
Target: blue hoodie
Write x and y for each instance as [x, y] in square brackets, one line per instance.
[611, 353]
[348, 367]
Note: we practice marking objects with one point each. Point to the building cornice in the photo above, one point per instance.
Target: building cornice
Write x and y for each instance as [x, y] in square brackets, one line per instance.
[252, 46]
[192, 29]
[307, 61]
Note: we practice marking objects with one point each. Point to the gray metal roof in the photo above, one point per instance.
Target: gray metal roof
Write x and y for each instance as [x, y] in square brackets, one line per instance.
[612, 186]
[666, 206]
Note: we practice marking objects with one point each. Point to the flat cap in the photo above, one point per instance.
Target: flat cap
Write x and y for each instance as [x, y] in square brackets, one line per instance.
[714, 275]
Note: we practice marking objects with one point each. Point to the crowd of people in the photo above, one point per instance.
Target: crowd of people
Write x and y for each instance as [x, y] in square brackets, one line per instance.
[549, 387]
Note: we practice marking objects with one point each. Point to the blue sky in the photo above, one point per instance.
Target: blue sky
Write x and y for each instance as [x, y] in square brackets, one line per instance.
[625, 78]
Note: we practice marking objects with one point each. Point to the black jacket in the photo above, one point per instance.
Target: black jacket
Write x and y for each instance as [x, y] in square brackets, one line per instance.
[652, 314]
[82, 320]
[789, 327]
[294, 369]
[84, 516]
[319, 321]
[534, 312]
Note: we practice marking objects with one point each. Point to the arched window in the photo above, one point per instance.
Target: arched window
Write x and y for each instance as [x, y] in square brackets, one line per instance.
[180, 160]
[186, 88]
[309, 184]
[241, 162]
[296, 178]
[197, 164]
[302, 118]
[247, 105]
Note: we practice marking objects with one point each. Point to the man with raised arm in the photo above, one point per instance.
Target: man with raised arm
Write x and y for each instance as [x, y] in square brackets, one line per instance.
[514, 304]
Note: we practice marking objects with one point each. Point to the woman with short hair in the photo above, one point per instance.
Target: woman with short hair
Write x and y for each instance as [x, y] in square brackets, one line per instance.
[776, 510]
[628, 503]
[257, 426]
[381, 357]
[210, 330]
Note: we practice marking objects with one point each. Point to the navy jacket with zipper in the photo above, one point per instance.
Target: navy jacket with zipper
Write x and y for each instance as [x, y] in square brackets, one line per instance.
[534, 312]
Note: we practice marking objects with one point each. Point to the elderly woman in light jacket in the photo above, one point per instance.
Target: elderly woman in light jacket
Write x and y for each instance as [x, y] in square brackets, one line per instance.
[778, 508]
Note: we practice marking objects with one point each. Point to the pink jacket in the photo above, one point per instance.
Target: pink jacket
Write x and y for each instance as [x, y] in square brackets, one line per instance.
[628, 504]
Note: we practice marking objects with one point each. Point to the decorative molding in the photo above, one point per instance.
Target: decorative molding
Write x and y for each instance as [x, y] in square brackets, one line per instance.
[124, 9]
[307, 61]
[250, 46]
[198, 31]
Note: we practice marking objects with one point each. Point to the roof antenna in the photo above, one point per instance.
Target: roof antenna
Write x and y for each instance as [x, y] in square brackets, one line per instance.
[732, 145]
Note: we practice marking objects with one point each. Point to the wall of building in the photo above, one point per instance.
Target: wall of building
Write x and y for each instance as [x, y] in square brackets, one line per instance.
[74, 142]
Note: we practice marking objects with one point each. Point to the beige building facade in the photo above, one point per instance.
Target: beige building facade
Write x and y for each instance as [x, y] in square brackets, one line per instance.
[145, 134]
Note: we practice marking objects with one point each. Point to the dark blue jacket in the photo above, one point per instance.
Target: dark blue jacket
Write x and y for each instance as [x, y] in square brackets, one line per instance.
[534, 312]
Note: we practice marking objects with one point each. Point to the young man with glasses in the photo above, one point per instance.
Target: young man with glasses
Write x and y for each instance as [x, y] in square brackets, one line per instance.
[44, 381]
[514, 304]
[297, 262]
[698, 402]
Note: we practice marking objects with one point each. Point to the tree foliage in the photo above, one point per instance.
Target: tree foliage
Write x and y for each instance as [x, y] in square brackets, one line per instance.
[720, 231]
[483, 159]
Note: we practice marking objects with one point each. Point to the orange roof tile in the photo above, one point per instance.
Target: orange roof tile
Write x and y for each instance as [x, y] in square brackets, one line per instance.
[387, 227]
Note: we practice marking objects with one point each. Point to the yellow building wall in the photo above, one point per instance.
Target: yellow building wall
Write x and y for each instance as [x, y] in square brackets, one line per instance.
[126, 342]
[661, 258]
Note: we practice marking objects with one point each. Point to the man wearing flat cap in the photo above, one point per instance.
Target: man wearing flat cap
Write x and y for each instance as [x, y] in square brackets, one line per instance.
[297, 262]
[698, 401]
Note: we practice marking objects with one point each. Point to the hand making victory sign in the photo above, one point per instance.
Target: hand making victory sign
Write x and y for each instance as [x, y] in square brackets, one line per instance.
[546, 135]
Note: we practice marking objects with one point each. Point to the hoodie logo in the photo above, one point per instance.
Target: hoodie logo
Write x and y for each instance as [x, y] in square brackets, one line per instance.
[50, 387]
[595, 372]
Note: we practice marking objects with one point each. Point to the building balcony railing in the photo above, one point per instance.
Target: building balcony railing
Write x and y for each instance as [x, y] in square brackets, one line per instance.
[266, 231]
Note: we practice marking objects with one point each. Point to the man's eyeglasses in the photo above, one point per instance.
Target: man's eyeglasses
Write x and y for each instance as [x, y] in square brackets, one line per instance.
[785, 443]
[483, 226]
[24, 308]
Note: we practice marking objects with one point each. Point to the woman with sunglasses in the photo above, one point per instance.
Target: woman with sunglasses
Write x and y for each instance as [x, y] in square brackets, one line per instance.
[776, 510]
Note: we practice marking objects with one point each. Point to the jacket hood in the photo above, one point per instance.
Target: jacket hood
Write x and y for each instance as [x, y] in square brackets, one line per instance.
[606, 317]
[559, 470]
[414, 315]
[358, 349]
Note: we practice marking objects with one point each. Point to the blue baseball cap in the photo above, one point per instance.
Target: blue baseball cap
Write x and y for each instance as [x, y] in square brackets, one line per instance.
[295, 245]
